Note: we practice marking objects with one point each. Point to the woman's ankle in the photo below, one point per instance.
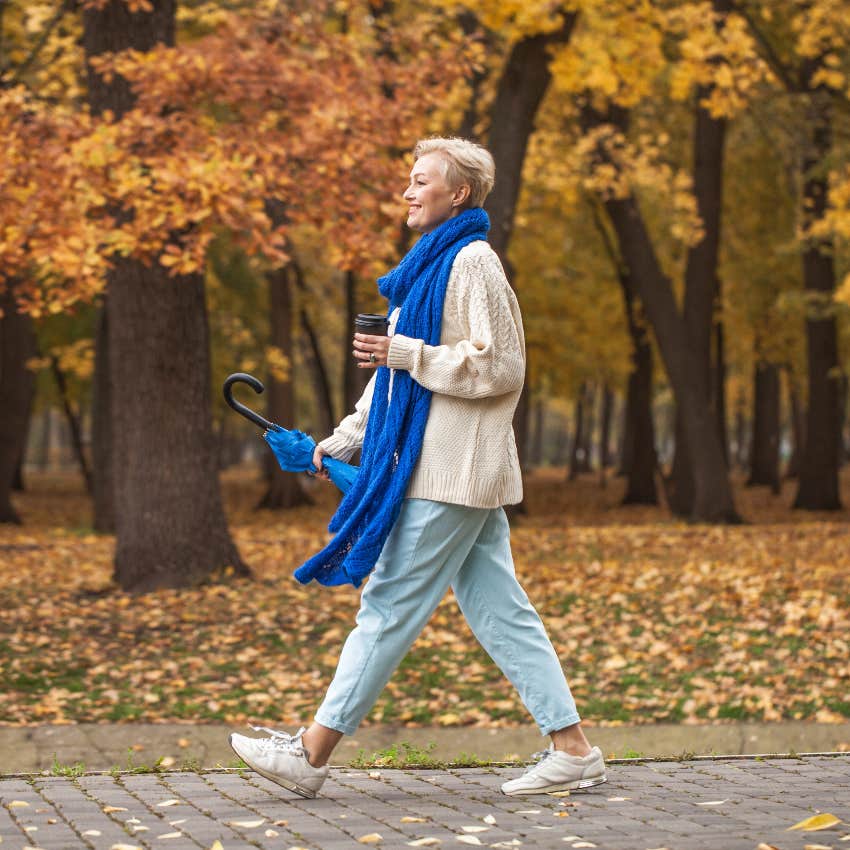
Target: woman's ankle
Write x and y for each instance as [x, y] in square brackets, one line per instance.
[571, 740]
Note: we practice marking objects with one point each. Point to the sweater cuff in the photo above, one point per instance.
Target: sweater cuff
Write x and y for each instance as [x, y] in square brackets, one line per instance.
[338, 447]
[401, 352]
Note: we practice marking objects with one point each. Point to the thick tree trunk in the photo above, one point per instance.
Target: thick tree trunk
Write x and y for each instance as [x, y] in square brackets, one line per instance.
[170, 524]
[522, 85]
[818, 475]
[712, 500]
[764, 454]
[17, 388]
[702, 291]
[639, 456]
[169, 520]
[741, 455]
[103, 502]
[284, 490]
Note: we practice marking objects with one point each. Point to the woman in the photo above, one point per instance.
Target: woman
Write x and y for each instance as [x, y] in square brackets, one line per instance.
[439, 461]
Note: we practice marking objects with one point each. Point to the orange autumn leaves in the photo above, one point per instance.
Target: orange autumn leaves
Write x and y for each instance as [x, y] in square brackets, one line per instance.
[654, 621]
[291, 108]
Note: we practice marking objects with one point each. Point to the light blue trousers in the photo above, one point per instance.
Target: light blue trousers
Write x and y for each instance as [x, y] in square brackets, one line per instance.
[434, 546]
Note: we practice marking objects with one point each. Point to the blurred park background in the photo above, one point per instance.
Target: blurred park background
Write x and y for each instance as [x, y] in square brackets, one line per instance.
[190, 189]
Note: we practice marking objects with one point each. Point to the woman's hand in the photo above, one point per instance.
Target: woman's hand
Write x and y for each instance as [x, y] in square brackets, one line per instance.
[318, 454]
[371, 351]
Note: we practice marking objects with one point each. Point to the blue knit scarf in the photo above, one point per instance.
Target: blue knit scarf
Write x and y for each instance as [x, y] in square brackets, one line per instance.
[395, 427]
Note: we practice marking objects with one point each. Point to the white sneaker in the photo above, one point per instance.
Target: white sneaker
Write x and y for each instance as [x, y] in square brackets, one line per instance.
[281, 758]
[556, 770]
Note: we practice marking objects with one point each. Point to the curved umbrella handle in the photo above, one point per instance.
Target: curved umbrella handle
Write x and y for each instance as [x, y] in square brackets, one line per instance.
[257, 386]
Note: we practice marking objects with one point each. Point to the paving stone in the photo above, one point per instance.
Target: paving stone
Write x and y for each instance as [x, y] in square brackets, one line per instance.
[649, 805]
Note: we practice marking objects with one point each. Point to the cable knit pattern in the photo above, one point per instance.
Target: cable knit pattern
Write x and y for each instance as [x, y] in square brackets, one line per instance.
[476, 375]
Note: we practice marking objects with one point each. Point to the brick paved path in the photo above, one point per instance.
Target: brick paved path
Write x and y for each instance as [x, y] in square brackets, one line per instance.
[696, 805]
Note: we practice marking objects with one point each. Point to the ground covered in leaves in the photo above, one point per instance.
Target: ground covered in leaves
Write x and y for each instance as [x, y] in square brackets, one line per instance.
[654, 619]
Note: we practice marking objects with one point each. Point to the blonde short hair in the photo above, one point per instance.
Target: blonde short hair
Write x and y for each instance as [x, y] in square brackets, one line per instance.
[465, 162]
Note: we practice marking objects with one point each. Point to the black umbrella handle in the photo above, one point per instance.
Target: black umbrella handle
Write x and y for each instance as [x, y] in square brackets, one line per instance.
[257, 386]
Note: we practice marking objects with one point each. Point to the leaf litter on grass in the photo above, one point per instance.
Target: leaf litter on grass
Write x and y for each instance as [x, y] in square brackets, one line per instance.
[656, 620]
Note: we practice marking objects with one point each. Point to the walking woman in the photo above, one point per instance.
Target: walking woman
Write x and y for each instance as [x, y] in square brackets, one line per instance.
[438, 463]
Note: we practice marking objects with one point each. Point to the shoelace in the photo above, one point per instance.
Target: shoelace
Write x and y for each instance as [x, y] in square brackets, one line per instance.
[280, 741]
[538, 758]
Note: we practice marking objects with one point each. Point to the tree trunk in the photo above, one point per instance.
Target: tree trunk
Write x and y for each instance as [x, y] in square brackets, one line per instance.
[284, 490]
[764, 454]
[354, 380]
[741, 456]
[798, 427]
[522, 85]
[575, 452]
[639, 456]
[72, 417]
[701, 290]
[17, 388]
[170, 524]
[818, 474]
[718, 384]
[536, 449]
[169, 521]
[101, 449]
[321, 380]
[712, 500]
[588, 428]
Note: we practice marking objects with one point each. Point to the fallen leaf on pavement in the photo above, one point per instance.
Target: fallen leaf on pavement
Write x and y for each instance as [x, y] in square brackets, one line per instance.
[247, 824]
[371, 838]
[271, 833]
[528, 812]
[713, 803]
[125, 847]
[428, 841]
[108, 810]
[621, 799]
[170, 835]
[281, 823]
[468, 839]
[94, 833]
[583, 844]
[559, 793]
[165, 803]
[408, 819]
[817, 847]
[816, 822]
[489, 819]
[764, 846]
[216, 845]
[17, 804]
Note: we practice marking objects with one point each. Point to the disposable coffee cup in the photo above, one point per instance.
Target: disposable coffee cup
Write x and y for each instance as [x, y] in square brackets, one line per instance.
[371, 323]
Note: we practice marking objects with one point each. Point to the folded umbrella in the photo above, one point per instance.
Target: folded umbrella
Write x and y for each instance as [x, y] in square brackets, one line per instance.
[293, 449]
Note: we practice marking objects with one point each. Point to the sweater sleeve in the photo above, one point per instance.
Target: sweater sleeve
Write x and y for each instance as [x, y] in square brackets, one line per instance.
[348, 436]
[490, 360]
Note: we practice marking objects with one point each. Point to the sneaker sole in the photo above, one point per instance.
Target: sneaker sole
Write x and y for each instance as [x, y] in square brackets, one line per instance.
[560, 786]
[284, 783]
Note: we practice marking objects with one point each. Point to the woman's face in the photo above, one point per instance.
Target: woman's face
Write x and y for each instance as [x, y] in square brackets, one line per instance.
[430, 199]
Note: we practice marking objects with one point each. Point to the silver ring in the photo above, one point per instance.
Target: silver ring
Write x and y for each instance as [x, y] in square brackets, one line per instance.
[372, 357]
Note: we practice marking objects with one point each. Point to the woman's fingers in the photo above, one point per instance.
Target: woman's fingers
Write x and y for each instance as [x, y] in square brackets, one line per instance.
[371, 351]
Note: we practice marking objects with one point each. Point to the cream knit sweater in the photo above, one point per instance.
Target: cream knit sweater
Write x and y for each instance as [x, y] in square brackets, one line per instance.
[476, 374]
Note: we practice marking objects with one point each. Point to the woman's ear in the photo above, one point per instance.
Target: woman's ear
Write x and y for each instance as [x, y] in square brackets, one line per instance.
[461, 195]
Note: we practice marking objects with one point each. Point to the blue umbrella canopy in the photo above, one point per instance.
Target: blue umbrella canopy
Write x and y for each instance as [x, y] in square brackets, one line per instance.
[294, 452]
[293, 449]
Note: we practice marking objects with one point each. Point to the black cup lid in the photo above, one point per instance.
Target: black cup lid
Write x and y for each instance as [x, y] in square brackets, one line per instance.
[371, 319]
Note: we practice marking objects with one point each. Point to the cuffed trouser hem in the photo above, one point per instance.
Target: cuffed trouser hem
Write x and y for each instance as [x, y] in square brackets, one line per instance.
[336, 725]
[569, 720]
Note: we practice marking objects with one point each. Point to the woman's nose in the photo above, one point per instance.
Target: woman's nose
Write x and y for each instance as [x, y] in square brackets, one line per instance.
[408, 193]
